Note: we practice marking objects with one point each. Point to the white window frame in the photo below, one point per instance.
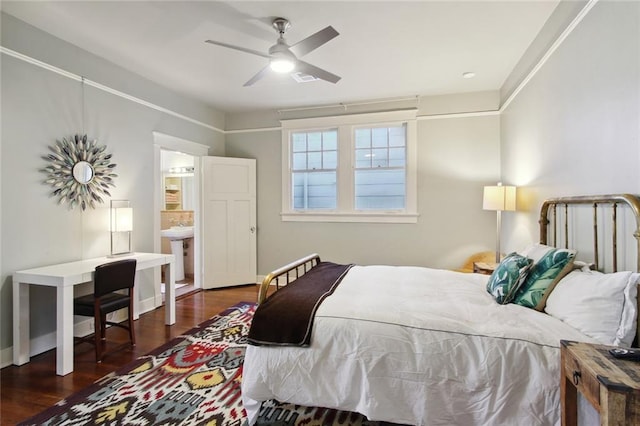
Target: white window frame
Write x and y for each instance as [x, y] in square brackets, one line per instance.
[345, 211]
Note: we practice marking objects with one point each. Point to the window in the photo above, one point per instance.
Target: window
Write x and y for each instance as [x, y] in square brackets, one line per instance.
[313, 171]
[357, 168]
[380, 164]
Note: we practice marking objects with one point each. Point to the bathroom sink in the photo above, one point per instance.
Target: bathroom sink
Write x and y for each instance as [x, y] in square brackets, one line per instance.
[177, 232]
[177, 235]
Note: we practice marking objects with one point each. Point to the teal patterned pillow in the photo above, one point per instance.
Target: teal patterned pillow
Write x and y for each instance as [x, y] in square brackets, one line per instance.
[506, 279]
[544, 275]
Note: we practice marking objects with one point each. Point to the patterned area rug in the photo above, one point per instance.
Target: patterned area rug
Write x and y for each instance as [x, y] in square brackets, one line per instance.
[192, 380]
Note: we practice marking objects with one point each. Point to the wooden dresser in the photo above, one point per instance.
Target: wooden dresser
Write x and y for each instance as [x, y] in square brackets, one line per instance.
[611, 385]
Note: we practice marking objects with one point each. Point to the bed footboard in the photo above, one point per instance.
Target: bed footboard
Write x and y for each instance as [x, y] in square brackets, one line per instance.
[286, 272]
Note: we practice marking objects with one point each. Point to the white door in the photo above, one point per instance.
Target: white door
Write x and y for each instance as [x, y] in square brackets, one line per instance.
[228, 221]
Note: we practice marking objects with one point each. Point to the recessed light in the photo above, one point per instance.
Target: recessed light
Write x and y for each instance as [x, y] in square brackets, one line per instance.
[468, 74]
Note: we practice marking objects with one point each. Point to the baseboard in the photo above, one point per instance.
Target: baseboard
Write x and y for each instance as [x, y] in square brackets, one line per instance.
[81, 328]
[148, 305]
[6, 357]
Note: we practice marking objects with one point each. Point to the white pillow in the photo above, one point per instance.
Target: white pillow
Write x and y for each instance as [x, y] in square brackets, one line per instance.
[535, 252]
[602, 306]
[583, 266]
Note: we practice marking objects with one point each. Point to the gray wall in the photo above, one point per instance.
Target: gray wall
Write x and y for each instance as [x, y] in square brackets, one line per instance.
[575, 128]
[457, 156]
[40, 106]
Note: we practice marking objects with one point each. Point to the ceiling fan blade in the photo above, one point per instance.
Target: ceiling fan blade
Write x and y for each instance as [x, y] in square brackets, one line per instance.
[264, 71]
[313, 41]
[307, 68]
[242, 49]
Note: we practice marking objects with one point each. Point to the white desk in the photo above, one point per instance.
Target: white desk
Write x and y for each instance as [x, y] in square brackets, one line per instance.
[64, 276]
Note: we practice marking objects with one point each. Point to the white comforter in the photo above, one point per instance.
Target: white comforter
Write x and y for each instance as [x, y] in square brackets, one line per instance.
[418, 346]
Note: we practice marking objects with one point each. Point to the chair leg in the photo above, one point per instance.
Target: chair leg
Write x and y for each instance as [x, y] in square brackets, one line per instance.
[97, 341]
[103, 327]
[132, 334]
[98, 324]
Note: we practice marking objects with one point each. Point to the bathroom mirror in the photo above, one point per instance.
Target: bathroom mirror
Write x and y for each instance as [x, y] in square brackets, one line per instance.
[80, 171]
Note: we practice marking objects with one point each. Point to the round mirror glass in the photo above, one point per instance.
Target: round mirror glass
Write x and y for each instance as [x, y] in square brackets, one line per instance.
[82, 172]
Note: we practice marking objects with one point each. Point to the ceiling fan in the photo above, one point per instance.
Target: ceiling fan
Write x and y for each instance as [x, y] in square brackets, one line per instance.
[284, 58]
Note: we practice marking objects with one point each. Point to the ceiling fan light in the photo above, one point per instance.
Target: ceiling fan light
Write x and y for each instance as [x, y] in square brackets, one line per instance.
[282, 65]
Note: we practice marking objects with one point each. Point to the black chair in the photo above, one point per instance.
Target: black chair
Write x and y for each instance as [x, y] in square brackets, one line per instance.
[108, 278]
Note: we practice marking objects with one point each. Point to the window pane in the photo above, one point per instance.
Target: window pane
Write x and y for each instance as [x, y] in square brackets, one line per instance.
[299, 141]
[314, 141]
[330, 140]
[330, 160]
[379, 158]
[314, 190]
[397, 136]
[314, 160]
[379, 137]
[397, 157]
[300, 161]
[363, 138]
[363, 158]
[380, 189]
[315, 150]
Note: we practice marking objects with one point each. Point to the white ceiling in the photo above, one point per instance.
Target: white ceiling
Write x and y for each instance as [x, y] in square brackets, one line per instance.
[386, 49]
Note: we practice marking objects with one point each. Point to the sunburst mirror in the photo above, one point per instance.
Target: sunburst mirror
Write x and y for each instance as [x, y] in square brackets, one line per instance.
[80, 171]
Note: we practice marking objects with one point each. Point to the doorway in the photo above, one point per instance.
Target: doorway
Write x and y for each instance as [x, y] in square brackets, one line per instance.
[190, 150]
[177, 216]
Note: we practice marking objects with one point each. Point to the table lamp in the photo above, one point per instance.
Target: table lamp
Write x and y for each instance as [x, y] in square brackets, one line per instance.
[499, 198]
[121, 224]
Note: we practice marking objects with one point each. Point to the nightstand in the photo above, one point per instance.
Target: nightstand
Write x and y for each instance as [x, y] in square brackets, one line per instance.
[484, 268]
[611, 385]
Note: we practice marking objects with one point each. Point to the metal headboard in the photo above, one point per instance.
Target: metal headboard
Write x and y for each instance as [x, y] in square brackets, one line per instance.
[551, 206]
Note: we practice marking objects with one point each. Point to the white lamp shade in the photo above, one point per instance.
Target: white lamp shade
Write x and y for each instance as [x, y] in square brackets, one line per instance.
[122, 219]
[500, 198]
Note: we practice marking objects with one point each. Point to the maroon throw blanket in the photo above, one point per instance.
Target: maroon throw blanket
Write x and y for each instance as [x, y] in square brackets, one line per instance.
[286, 317]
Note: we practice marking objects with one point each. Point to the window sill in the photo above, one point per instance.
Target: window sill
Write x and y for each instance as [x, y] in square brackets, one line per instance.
[349, 217]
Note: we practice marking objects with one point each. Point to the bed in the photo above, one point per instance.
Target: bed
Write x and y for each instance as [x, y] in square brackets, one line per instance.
[414, 345]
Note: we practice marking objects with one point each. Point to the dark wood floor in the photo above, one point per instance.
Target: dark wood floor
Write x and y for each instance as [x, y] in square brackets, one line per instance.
[29, 389]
